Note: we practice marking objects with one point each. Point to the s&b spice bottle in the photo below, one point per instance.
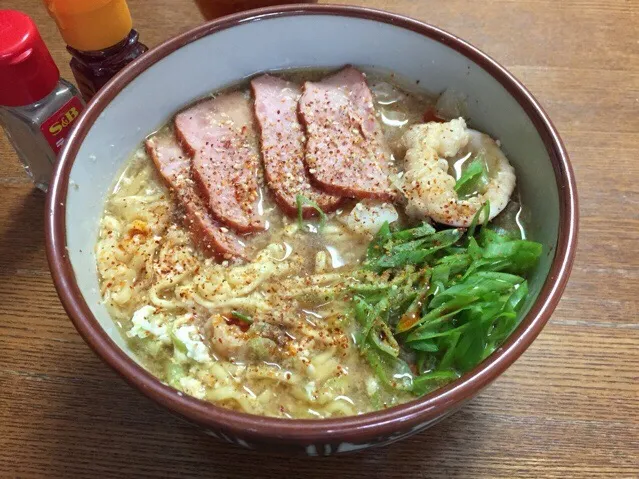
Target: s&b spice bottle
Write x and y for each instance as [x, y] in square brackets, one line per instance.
[99, 37]
[37, 108]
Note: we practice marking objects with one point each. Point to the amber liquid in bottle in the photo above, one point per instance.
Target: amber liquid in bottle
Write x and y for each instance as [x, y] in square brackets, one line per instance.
[218, 8]
[92, 70]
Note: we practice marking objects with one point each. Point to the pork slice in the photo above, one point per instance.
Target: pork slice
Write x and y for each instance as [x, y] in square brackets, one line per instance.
[175, 168]
[283, 144]
[346, 152]
[221, 137]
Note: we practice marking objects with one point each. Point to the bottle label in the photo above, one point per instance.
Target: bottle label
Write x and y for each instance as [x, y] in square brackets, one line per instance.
[57, 127]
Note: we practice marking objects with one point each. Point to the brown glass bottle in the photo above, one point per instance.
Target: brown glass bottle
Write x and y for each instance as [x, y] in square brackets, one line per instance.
[93, 69]
[217, 8]
[100, 37]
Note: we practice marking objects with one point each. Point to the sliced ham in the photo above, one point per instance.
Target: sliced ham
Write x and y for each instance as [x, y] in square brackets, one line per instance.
[346, 153]
[283, 144]
[220, 135]
[175, 168]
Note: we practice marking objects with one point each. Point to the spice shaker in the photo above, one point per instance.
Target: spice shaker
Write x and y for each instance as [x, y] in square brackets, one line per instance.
[99, 37]
[37, 108]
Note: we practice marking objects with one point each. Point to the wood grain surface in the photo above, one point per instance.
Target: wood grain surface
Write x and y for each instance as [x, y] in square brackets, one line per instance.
[568, 408]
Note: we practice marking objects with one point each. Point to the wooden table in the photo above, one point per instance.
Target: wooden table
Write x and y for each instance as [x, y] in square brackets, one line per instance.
[568, 408]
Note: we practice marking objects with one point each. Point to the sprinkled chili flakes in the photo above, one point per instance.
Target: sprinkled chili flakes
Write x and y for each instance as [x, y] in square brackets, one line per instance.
[272, 333]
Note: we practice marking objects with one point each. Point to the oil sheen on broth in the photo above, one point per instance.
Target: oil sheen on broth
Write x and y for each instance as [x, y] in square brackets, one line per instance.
[272, 336]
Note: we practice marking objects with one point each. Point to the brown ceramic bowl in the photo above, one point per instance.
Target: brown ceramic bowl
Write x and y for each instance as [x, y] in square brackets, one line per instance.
[143, 97]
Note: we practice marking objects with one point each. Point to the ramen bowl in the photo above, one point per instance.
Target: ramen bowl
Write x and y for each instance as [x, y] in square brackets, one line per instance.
[145, 95]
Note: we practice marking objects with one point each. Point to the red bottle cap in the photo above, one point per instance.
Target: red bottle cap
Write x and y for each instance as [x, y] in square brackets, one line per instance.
[27, 71]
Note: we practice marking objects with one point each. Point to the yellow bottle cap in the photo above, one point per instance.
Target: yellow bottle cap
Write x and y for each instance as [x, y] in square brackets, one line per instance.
[90, 25]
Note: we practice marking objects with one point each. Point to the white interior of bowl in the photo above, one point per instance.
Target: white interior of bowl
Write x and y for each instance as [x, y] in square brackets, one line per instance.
[277, 43]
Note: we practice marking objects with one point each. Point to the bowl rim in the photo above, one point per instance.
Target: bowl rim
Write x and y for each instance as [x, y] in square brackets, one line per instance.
[355, 429]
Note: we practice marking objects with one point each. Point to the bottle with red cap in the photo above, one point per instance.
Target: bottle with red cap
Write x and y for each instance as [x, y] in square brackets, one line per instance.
[37, 107]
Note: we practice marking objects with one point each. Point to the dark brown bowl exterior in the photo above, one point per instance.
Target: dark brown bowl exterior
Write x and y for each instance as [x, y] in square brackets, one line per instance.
[315, 437]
